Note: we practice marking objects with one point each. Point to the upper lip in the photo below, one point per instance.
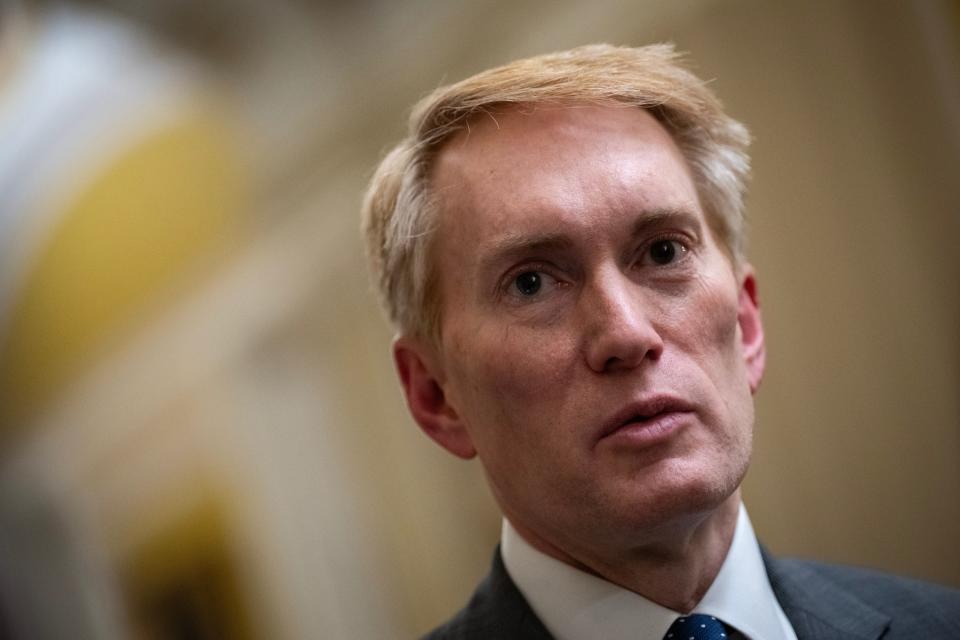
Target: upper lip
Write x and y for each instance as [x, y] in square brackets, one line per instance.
[645, 408]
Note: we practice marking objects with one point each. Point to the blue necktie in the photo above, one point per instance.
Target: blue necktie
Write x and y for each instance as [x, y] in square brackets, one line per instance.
[696, 626]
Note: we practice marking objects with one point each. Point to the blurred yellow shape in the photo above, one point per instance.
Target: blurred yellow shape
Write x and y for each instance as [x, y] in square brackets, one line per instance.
[131, 238]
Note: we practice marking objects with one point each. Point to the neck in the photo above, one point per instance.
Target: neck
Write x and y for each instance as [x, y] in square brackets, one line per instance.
[673, 567]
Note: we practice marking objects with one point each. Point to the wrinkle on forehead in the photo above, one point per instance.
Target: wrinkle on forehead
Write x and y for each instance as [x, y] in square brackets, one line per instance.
[547, 162]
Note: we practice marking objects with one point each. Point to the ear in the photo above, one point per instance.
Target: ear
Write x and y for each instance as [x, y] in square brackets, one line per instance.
[751, 329]
[422, 378]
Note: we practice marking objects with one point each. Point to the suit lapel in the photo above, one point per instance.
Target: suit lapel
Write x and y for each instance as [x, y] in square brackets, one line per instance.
[819, 608]
[499, 610]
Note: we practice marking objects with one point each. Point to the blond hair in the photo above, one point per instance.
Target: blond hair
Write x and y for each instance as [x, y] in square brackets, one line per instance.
[399, 212]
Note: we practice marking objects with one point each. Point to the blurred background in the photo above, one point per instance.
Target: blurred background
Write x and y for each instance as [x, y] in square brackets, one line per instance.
[201, 435]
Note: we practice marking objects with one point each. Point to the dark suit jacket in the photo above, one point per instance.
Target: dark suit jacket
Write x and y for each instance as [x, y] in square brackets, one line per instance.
[822, 602]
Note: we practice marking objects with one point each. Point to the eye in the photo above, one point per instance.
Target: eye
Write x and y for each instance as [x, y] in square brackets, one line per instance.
[666, 250]
[528, 283]
[531, 283]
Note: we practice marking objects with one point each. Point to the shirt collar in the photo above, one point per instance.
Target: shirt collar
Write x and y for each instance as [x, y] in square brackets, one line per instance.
[575, 605]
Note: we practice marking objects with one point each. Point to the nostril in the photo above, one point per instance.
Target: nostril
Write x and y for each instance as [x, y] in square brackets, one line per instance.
[618, 352]
[612, 364]
[620, 329]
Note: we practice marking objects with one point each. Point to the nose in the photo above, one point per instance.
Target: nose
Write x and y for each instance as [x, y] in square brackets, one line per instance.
[620, 333]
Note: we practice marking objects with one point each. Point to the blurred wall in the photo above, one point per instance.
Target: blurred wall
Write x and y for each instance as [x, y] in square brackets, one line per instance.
[252, 426]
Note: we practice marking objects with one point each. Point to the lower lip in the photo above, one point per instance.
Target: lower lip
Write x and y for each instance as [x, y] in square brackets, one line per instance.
[650, 432]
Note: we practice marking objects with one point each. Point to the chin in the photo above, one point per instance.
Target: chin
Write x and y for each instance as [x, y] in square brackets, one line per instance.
[690, 494]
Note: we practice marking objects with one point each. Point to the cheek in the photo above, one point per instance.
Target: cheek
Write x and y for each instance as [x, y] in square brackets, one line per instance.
[706, 330]
[505, 376]
[703, 320]
[723, 365]
[721, 317]
[723, 350]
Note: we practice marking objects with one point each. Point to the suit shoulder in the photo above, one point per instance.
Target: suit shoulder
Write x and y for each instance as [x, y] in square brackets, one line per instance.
[474, 621]
[481, 618]
[867, 582]
[909, 603]
[496, 610]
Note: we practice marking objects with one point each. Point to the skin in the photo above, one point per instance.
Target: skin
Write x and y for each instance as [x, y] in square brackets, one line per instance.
[634, 299]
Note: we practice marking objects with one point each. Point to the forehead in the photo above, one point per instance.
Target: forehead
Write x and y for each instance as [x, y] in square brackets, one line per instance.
[575, 168]
[548, 143]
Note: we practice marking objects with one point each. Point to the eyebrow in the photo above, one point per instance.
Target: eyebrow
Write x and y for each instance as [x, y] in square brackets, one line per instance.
[520, 244]
[653, 219]
[516, 245]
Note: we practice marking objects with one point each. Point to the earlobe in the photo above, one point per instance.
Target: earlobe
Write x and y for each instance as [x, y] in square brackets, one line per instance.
[751, 330]
[422, 385]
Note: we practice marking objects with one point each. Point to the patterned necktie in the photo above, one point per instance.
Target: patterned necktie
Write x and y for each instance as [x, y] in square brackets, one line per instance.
[696, 626]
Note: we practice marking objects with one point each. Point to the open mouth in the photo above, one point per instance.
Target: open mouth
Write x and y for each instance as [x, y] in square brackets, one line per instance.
[644, 418]
[648, 421]
[652, 429]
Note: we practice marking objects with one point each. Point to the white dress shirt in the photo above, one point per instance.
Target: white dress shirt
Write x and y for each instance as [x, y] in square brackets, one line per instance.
[574, 605]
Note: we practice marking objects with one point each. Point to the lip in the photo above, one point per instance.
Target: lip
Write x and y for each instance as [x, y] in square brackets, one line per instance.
[647, 421]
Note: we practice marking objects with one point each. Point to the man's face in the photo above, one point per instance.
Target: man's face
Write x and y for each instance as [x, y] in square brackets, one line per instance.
[598, 350]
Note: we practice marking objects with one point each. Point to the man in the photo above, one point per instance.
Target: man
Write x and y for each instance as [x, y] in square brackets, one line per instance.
[559, 243]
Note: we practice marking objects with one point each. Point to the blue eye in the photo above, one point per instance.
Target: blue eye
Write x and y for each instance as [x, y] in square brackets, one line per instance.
[666, 251]
[528, 283]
